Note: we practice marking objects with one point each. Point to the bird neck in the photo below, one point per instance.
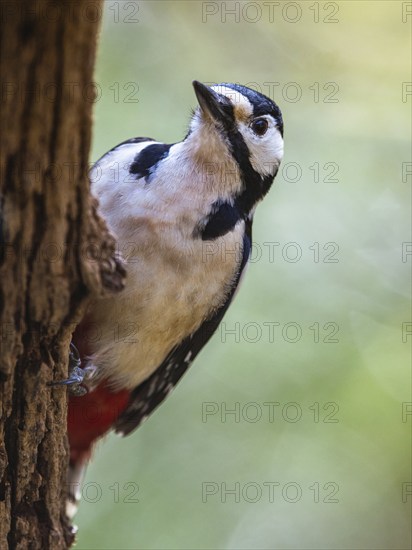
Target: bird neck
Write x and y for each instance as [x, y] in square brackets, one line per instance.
[224, 164]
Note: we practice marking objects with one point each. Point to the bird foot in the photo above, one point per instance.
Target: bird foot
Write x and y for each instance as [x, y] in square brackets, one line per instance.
[77, 374]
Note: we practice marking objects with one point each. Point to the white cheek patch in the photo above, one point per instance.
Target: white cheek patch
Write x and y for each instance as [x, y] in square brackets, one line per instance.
[265, 152]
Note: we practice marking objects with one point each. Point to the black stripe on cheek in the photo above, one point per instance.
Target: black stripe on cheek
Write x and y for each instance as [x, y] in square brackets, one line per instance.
[223, 218]
[146, 160]
[255, 186]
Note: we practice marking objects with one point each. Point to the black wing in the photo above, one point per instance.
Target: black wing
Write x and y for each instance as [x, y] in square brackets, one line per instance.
[125, 142]
[148, 395]
[130, 140]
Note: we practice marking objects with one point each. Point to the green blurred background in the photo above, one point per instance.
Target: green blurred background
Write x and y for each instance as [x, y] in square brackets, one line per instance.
[330, 469]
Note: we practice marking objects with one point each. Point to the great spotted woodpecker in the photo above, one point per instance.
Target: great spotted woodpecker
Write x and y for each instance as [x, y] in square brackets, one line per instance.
[178, 212]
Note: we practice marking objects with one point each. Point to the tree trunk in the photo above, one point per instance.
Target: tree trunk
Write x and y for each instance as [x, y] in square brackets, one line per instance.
[55, 253]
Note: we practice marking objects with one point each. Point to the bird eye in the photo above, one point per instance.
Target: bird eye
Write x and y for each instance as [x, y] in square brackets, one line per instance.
[260, 126]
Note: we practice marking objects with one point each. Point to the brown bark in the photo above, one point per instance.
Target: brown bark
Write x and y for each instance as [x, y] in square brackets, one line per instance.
[55, 252]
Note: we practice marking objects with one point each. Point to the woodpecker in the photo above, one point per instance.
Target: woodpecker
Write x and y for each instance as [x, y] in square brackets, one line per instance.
[182, 215]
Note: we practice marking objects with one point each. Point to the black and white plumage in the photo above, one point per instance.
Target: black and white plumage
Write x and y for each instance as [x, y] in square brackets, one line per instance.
[182, 214]
[149, 394]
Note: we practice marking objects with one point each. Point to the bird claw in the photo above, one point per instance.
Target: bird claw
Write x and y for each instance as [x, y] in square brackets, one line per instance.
[77, 374]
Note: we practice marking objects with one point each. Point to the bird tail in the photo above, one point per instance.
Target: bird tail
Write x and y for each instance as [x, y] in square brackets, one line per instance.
[75, 478]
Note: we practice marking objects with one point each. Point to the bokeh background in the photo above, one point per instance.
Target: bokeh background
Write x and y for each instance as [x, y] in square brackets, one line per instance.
[319, 331]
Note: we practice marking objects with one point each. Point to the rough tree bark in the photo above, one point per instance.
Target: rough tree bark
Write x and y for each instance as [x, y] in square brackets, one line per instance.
[55, 252]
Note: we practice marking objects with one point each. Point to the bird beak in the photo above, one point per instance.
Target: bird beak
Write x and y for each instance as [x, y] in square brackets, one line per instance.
[218, 107]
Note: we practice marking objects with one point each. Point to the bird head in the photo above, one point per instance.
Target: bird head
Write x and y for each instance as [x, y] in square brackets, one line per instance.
[234, 120]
